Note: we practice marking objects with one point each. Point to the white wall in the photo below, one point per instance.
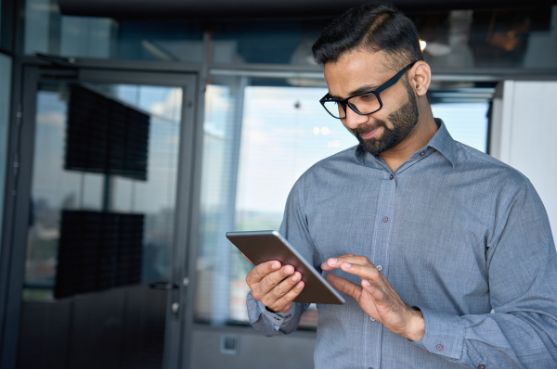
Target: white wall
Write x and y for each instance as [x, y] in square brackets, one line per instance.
[524, 135]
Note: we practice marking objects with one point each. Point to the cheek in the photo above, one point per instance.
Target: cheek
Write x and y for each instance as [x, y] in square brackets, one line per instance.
[391, 105]
[390, 126]
[385, 117]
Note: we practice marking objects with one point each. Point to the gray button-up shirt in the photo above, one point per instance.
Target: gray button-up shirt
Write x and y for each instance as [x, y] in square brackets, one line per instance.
[457, 233]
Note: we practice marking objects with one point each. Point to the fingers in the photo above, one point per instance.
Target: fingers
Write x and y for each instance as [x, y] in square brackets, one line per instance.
[281, 289]
[273, 279]
[260, 271]
[345, 286]
[377, 294]
[334, 263]
[284, 303]
[275, 288]
[363, 271]
[357, 265]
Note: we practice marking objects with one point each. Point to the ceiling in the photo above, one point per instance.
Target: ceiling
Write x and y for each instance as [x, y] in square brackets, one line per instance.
[227, 9]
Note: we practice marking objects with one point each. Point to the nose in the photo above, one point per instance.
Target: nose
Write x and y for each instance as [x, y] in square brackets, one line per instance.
[353, 119]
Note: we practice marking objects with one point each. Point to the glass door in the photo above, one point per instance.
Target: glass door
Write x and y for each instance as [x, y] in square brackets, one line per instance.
[104, 255]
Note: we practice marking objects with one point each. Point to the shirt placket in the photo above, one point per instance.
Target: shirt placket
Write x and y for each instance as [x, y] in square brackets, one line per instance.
[379, 257]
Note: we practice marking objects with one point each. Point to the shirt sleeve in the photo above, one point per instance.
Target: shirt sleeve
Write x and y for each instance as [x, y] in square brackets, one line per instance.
[521, 330]
[294, 228]
[272, 324]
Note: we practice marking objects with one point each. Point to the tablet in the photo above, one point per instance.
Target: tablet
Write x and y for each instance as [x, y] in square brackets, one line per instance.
[262, 246]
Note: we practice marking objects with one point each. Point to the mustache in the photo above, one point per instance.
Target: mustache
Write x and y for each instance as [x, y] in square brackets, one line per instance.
[364, 128]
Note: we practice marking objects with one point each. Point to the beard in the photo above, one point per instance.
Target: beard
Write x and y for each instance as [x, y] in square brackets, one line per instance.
[404, 120]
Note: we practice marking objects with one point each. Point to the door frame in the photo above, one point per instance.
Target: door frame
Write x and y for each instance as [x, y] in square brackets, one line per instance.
[19, 175]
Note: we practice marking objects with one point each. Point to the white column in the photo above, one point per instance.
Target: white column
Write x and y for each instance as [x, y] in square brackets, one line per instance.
[524, 135]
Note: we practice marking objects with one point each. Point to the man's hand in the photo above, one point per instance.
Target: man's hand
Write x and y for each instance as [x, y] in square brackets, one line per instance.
[376, 296]
[274, 285]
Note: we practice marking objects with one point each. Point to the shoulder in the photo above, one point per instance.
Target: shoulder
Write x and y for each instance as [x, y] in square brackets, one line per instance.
[489, 169]
[335, 166]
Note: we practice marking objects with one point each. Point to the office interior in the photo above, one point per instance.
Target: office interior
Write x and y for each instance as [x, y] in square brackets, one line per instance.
[134, 135]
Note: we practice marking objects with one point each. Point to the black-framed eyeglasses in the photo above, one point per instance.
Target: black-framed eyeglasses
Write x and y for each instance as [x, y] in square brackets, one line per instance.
[363, 103]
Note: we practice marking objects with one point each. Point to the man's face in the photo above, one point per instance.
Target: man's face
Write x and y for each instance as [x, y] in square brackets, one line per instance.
[378, 132]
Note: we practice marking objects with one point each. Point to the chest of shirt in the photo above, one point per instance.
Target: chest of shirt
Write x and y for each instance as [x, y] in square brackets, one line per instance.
[425, 231]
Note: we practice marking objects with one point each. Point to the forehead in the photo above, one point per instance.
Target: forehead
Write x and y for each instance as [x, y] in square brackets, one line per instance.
[356, 69]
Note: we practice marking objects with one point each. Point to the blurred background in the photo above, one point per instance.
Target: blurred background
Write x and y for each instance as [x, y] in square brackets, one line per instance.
[134, 134]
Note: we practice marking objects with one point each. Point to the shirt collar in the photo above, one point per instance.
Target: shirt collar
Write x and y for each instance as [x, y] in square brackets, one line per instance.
[441, 142]
[444, 143]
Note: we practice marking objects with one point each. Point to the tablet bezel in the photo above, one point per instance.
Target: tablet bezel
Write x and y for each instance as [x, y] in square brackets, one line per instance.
[262, 246]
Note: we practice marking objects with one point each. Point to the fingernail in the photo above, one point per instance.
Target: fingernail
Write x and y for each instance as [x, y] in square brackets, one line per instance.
[296, 277]
[332, 262]
[289, 269]
[275, 265]
[346, 266]
[365, 283]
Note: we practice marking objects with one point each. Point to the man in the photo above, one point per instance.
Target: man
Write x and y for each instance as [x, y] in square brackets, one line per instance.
[446, 253]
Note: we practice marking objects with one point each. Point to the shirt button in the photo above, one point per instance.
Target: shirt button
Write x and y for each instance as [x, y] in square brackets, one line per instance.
[372, 319]
[379, 267]
[422, 154]
[391, 177]
[439, 347]
[385, 219]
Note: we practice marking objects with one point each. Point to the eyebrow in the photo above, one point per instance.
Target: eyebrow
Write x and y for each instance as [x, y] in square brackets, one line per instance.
[359, 90]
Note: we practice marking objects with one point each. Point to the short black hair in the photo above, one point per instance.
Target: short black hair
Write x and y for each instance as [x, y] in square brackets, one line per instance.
[372, 27]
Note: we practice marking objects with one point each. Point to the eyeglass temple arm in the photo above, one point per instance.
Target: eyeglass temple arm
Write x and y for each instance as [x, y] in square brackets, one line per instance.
[394, 79]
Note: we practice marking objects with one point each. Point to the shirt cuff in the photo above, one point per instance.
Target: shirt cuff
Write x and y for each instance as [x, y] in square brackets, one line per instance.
[444, 334]
[276, 319]
[256, 309]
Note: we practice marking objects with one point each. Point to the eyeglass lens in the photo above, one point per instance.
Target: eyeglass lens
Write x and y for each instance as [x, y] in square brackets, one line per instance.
[362, 104]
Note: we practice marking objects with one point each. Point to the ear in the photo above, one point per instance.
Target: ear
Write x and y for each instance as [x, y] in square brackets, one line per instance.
[421, 78]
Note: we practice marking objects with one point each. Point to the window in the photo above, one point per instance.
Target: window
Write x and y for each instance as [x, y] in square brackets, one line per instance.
[124, 189]
[259, 138]
[466, 113]
[49, 32]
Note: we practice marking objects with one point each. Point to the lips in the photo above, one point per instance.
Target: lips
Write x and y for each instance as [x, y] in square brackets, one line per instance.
[367, 134]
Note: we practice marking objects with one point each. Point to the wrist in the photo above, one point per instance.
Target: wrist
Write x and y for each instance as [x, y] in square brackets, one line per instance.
[416, 325]
[270, 310]
[283, 311]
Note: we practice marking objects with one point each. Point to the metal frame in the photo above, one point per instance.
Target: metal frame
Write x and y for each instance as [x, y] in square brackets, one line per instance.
[16, 217]
[5, 25]
[10, 32]
[175, 324]
[274, 70]
[438, 75]
[277, 70]
[18, 187]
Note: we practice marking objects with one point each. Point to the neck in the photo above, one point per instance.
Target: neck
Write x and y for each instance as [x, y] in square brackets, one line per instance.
[418, 138]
